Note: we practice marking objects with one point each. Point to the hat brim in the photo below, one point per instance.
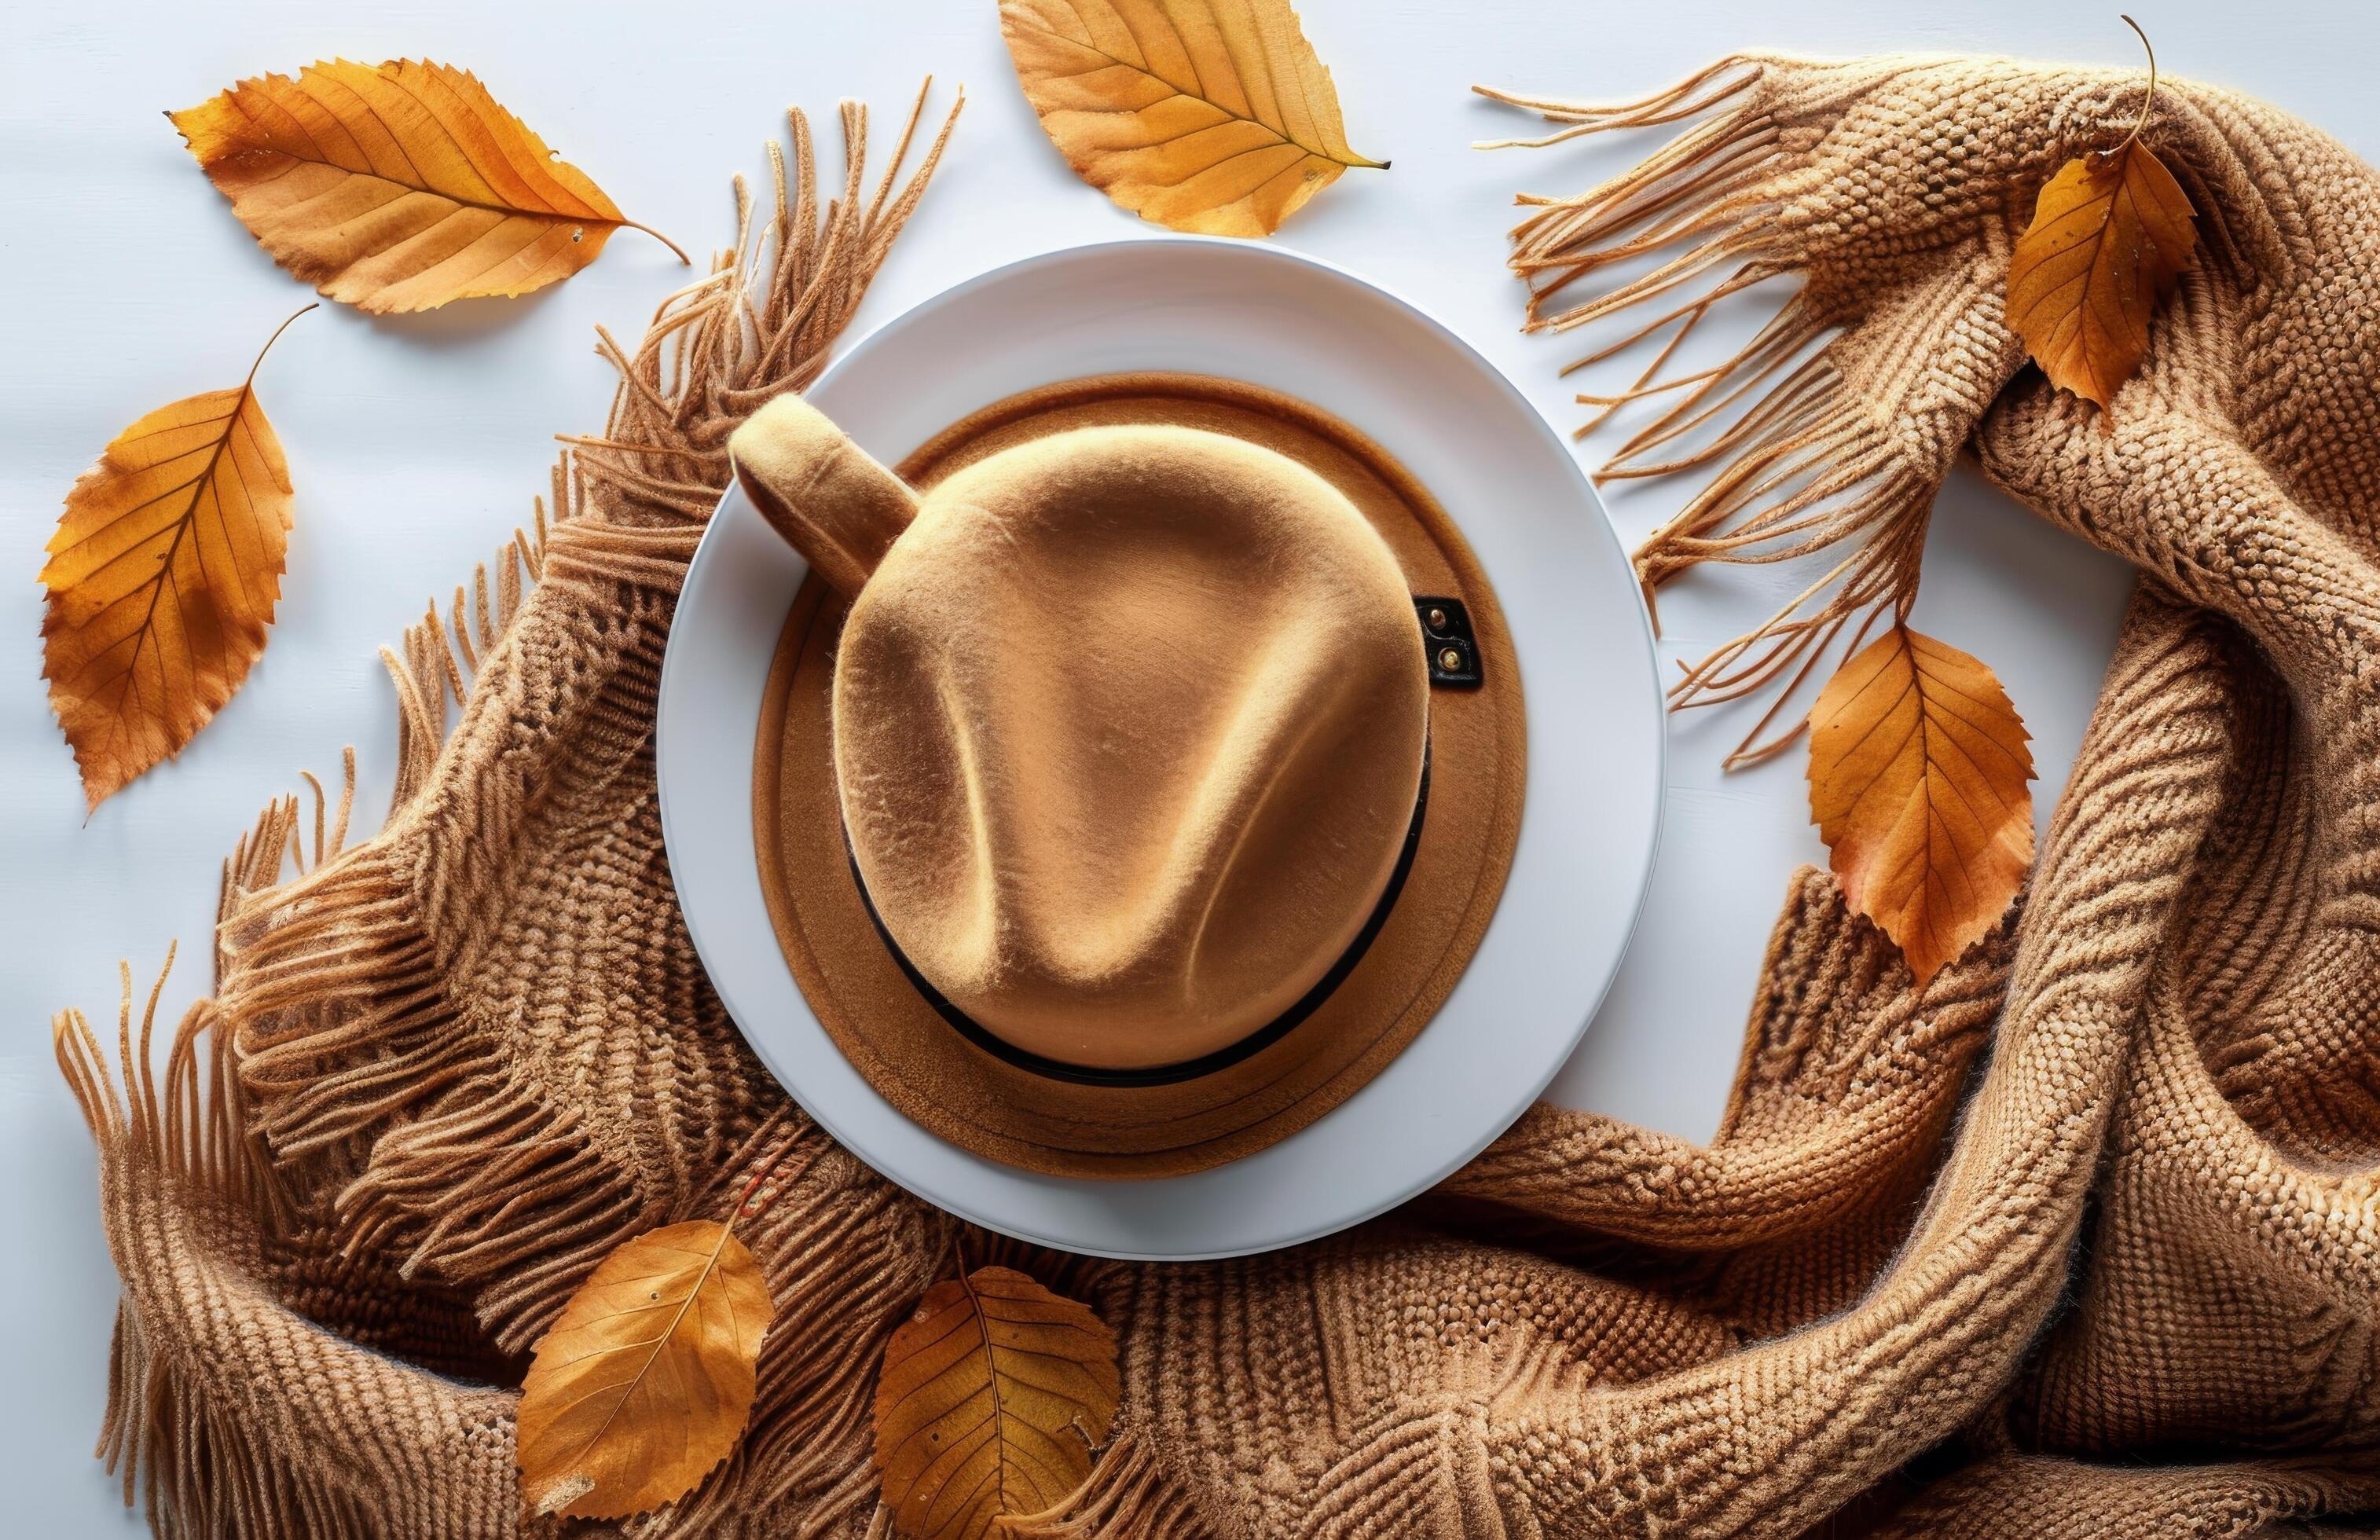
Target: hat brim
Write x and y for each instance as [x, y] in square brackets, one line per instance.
[894, 1035]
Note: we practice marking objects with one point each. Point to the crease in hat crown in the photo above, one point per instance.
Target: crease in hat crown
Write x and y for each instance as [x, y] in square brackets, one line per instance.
[1129, 724]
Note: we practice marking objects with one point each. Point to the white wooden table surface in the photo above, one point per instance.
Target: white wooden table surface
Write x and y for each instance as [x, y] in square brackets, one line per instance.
[416, 443]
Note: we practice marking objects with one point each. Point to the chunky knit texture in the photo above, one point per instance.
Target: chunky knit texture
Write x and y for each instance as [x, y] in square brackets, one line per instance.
[2082, 1239]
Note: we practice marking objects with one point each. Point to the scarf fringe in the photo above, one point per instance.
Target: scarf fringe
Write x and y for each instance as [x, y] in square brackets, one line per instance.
[1804, 464]
[197, 1432]
[352, 1051]
[360, 1065]
[183, 1451]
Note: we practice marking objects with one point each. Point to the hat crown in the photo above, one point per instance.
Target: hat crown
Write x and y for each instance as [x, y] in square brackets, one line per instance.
[1129, 729]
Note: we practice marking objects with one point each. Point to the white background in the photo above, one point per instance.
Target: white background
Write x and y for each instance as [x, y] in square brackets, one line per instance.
[416, 443]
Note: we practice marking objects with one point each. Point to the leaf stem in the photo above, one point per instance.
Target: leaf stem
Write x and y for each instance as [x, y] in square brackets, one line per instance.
[271, 340]
[2133, 138]
[632, 224]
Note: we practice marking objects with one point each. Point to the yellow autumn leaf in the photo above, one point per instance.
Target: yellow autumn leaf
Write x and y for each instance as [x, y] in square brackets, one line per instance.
[1211, 116]
[2110, 234]
[162, 576]
[994, 1397]
[398, 187]
[643, 1383]
[1919, 768]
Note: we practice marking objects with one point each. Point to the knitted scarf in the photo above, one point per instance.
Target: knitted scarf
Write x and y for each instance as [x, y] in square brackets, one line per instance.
[2080, 1238]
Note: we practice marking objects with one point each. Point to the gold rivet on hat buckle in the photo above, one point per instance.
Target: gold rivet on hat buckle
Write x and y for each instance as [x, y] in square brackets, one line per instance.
[1449, 660]
[1438, 623]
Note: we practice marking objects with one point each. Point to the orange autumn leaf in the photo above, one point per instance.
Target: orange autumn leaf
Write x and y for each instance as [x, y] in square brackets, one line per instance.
[2110, 234]
[643, 1383]
[995, 1396]
[398, 187]
[1211, 116]
[1919, 768]
[162, 577]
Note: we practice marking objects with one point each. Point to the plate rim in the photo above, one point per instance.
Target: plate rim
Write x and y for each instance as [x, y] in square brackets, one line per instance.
[1460, 1152]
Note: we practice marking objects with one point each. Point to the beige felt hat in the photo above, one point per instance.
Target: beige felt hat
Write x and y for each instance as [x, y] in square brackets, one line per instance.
[1138, 769]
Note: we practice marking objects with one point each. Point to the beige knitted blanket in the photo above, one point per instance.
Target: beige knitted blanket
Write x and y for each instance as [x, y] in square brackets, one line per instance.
[2082, 1240]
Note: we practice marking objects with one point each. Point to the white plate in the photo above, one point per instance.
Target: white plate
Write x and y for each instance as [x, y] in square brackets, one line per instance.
[1272, 318]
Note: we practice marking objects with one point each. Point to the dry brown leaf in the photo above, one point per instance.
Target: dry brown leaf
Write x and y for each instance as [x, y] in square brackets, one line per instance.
[643, 1383]
[1918, 773]
[1211, 116]
[2111, 234]
[400, 186]
[995, 1397]
[162, 580]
